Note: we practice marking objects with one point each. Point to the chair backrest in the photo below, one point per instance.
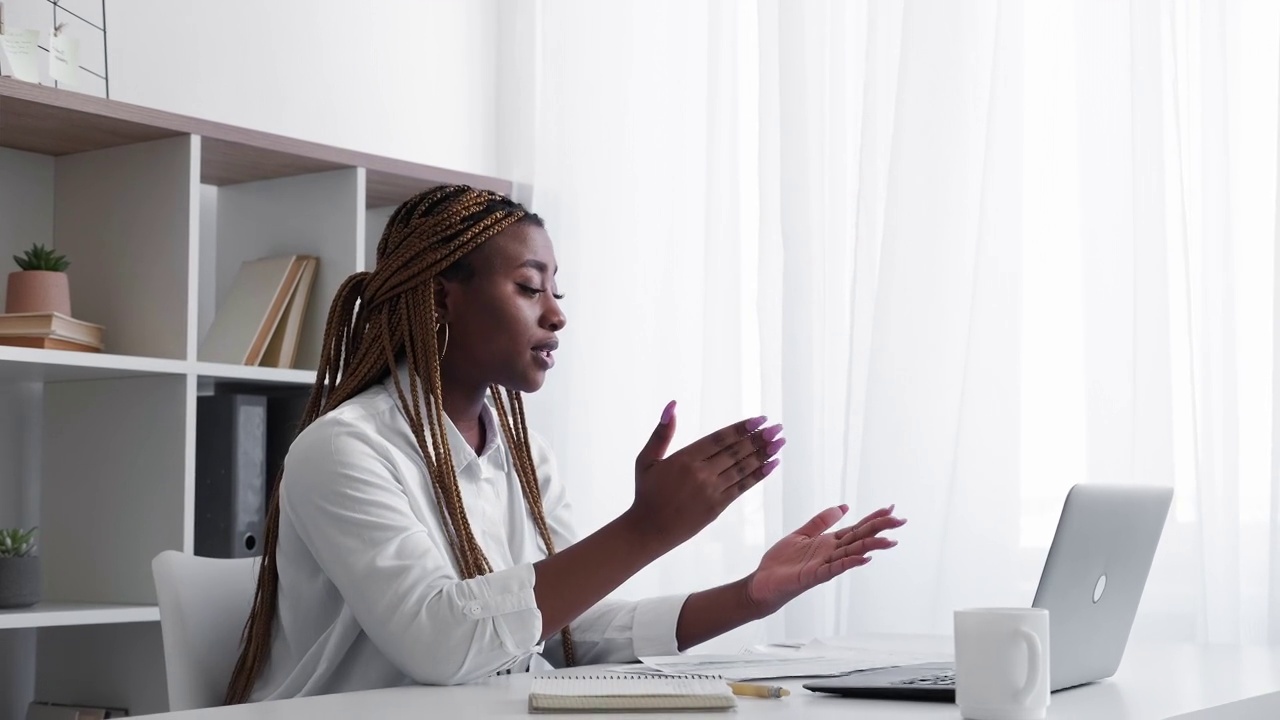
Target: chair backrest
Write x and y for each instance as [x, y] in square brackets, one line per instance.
[204, 603]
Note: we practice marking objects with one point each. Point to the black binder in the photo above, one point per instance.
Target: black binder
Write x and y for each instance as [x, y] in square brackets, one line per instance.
[231, 475]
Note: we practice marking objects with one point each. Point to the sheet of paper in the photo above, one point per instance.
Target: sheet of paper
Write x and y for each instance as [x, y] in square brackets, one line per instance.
[20, 48]
[774, 647]
[901, 653]
[64, 58]
[761, 666]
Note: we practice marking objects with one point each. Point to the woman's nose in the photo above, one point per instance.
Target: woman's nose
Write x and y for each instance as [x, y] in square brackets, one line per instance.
[554, 318]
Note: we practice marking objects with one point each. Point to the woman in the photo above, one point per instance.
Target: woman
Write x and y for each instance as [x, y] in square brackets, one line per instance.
[420, 533]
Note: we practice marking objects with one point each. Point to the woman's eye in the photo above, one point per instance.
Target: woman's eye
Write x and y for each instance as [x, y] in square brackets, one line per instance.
[535, 292]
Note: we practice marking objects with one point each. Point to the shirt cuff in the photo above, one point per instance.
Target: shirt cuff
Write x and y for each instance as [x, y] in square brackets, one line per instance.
[654, 629]
[506, 597]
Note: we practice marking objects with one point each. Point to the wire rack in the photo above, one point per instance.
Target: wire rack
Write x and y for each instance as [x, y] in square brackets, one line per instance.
[76, 17]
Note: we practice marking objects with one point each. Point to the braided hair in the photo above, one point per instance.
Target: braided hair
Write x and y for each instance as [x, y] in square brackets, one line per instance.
[376, 319]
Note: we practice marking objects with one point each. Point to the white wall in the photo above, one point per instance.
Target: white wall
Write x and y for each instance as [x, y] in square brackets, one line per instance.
[414, 79]
[518, 74]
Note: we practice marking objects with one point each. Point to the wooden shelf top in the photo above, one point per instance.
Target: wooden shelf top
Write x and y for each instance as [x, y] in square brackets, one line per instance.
[55, 122]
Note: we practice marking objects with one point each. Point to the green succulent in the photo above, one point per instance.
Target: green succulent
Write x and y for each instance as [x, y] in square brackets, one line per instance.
[40, 257]
[16, 542]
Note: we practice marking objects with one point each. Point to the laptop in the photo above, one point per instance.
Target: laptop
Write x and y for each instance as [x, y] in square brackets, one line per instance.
[1091, 584]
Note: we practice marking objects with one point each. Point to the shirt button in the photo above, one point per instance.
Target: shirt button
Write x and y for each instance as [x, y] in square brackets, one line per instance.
[474, 609]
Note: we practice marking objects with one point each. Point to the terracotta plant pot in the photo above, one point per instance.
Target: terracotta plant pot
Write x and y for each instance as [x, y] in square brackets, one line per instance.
[19, 581]
[32, 291]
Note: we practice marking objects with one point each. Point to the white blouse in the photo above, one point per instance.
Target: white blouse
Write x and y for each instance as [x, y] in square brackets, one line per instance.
[369, 595]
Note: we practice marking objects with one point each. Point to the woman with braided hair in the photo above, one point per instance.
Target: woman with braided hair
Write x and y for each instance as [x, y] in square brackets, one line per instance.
[419, 533]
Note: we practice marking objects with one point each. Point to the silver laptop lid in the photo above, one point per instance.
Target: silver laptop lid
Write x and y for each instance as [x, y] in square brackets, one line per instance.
[1094, 576]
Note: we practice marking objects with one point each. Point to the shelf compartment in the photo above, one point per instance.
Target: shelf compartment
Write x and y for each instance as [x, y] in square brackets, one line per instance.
[318, 214]
[113, 479]
[123, 216]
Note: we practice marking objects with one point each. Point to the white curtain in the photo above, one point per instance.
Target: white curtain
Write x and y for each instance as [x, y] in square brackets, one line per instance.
[968, 253]
[643, 170]
[1150, 204]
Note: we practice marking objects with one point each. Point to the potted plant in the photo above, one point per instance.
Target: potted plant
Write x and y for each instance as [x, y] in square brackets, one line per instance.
[19, 568]
[40, 285]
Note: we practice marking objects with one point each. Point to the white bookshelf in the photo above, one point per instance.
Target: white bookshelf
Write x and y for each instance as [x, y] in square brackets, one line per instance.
[155, 212]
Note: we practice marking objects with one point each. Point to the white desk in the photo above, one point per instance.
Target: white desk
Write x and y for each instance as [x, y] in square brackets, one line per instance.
[1154, 682]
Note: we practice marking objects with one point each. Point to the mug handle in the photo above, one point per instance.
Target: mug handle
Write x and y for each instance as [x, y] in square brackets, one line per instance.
[1035, 665]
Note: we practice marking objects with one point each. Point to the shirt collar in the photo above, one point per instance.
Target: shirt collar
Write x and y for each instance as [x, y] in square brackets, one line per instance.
[463, 454]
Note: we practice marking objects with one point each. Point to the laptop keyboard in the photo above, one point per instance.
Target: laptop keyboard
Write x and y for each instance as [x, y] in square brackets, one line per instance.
[944, 678]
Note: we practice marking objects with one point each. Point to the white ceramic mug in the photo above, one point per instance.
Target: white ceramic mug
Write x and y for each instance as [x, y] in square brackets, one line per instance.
[1002, 663]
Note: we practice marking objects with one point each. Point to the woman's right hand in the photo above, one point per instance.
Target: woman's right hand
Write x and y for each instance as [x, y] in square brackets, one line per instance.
[679, 495]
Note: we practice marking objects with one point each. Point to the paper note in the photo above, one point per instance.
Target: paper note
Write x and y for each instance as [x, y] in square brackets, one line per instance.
[760, 666]
[20, 48]
[757, 666]
[902, 652]
[64, 57]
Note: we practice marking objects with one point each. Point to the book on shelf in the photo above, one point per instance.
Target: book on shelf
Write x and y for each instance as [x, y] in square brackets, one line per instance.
[267, 297]
[282, 347]
[50, 330]
[47, 343]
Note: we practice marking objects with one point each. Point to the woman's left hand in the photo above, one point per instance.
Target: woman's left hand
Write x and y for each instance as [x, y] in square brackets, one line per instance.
[811, 556]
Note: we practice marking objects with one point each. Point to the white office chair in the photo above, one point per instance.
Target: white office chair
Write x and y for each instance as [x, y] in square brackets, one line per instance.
[204, 603]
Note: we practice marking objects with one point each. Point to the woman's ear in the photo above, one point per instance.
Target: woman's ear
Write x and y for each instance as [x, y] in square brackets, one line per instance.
[440, 292]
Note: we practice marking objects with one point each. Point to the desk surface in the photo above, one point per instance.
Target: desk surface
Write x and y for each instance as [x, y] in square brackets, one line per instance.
[1154, 682]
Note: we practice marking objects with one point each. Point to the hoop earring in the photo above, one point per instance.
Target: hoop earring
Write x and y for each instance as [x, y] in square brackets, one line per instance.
[444, 346]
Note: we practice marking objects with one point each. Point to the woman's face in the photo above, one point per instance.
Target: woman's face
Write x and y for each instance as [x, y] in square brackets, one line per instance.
[503, 319]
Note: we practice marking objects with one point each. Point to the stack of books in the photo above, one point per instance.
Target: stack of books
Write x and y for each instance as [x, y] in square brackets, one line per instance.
[260, 320]
[51, 331]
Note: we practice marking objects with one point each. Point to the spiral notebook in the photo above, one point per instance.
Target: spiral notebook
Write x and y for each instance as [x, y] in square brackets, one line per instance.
[627, 693]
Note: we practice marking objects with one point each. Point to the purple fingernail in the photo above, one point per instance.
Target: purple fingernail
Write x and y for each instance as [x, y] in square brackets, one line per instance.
[668, 412]
[769, 433]
[769, 467]
[754, 423]
[775, 446]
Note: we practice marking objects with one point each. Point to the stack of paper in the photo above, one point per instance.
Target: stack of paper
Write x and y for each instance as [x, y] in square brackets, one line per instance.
[811, 661]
